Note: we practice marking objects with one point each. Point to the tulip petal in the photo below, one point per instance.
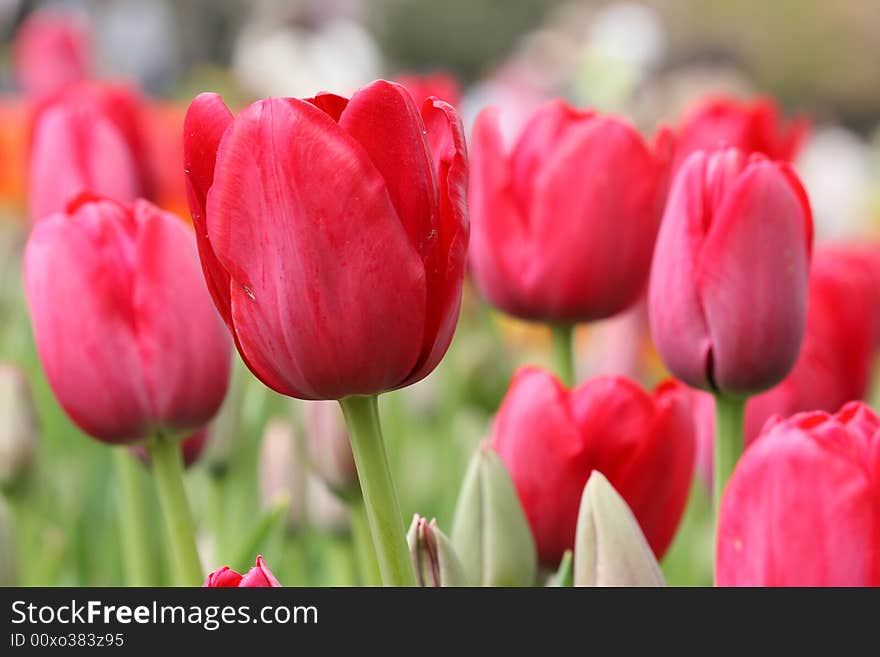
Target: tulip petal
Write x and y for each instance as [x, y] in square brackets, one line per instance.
[83, 257]
[751, 278]
[498, 245]
[678, 324]
[206, 120]
[330, 104]
[303, 222]
[175, 315]
[577, 199]
[445, 268]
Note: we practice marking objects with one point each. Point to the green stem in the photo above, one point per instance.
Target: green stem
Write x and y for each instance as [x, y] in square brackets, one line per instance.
[134, 532]
[368, 567]
[563, 352]
[168, 472]
[729, 413]
[380, 499]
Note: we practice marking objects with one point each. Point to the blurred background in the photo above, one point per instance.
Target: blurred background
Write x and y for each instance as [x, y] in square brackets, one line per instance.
[645, 60]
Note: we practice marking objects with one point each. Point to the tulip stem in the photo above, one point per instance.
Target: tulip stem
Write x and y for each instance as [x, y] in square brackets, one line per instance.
[368, 567]
[380, 499]
[133, 529]
[168, 472]
[563, 352]
[729, 412]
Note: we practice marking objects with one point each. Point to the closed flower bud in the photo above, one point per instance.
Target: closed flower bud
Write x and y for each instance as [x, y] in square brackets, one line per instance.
[124, 326]
[333, 234]
[257, 577]
[329, 449]
[282, 471]
[324, 508]
[18, 424]
[433, 556]
[490, 531]
[610, 548]
[728, 293]
[51, 49]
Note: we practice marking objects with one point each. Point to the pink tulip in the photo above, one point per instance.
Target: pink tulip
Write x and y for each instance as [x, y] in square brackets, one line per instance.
[125, 329]
[801, 508]
[564, 222]
[51, 50]
[333, 234]
[257, 577]
[728, 292]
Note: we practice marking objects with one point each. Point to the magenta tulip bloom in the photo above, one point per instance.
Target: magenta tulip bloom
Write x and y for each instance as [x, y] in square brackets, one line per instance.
[124, 326]
[802, 506]
[728, 292]
[333, 234]
[564, 223]
[51, 50]
[257, 577]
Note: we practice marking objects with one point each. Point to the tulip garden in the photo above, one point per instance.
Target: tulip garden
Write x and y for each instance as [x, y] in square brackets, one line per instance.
[421, 330]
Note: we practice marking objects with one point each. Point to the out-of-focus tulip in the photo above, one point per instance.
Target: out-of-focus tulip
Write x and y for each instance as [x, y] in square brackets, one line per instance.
[90, 138]
[610, 548]
[164, 144]
[836, 357]
[439, 85]
[122, 285]
[329, 448]
[754, 126]
[51, 50]
[551, 440]
[257, 577]
[728, 293]
[18, 424]
[801, 507]
[490, 531]
[433, 556]
[282, 471]
[333, 234]
[324, 509]
[190, 448]
[556, 235]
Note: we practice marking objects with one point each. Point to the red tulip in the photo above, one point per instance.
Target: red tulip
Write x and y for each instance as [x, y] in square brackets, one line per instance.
[751, 126]
[801, 508]
[332, 233]
[88, 138]
[123, 324]
[51, 50]
[551, 439]
[564, 223]
[439, 85]
[257, 577]
[728, 292]
[836, 356]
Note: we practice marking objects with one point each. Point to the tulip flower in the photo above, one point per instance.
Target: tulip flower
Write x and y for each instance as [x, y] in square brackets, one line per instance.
[489, 530]
[557, 237]
[727, 300]
[551, 439]
[438, 85]
[282, 471]
[801, 507]
[434, 559]
[51, 50]
[333, 235]
[90, 137]
[610, 549]
[836, 357]
[751, 126]
[257, 577]
[19, 429]
[151, 358]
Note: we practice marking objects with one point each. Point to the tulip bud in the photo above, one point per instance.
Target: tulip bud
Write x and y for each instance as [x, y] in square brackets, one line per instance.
[610, 548]
[329, 449]
[18, 424]
[282, 471]
[324, 508]
[490, 530]
[257, 577]
[433, 556]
